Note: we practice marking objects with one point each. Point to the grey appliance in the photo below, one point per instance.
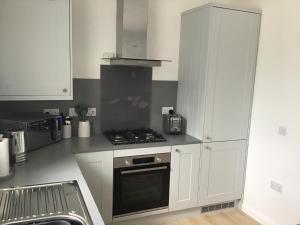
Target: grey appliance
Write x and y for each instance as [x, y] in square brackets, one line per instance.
[173, 123]
[132, 35]
[39, 130]
[46, 204]
[141, 184]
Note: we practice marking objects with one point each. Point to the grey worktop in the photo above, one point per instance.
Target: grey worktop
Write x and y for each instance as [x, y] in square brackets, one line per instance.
[99, 143]
[54, 163]
[57, 162]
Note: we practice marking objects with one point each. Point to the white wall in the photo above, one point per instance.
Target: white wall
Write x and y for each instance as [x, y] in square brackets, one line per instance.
[94, 32]
[276, 102]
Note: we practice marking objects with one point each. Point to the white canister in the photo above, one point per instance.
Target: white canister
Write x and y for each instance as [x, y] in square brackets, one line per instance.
[84, 129]
[4, 157]
[67, 131]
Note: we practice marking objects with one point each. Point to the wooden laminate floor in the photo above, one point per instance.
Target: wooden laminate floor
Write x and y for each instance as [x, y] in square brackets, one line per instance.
[224, 217]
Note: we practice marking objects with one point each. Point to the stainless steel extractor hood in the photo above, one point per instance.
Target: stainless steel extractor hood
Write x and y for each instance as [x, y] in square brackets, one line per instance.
[132, 34]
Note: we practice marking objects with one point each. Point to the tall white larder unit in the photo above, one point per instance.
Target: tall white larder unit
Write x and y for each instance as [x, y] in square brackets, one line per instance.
[218, 51]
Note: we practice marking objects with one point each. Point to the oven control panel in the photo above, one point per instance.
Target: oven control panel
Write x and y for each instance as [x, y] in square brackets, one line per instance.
[131, 161]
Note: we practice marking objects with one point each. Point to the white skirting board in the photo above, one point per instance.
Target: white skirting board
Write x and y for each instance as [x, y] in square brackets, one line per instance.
[257, 215]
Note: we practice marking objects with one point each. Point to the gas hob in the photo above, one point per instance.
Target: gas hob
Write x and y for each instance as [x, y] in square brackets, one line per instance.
[137, 136]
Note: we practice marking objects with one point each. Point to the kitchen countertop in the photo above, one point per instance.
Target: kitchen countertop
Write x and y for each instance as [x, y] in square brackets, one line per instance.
[57, 162]
[100, 143]
[54, 163]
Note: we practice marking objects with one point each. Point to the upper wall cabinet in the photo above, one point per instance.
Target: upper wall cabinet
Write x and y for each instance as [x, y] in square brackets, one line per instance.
[35, 50]
[218, 53]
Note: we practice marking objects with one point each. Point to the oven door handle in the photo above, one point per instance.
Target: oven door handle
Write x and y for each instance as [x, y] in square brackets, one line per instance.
[144, 170]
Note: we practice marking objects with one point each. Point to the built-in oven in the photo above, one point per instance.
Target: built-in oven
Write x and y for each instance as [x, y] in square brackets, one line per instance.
[141, 183]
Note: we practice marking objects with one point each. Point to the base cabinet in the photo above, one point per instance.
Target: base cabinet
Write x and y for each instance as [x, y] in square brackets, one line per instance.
[185, 161]
[222, 172]
[97, 169]
[201, 174]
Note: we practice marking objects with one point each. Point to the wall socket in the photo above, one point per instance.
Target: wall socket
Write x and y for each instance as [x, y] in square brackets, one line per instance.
[165, 110]
[54, 112]
[91, 112]
[276, 186]
[282, 131]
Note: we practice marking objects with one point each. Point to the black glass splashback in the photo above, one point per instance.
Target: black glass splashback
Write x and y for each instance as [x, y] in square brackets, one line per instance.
[125, 97]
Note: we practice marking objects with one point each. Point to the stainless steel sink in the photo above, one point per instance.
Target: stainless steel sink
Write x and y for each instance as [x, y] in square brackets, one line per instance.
[47, 204]
[51, 221]
[58, 222]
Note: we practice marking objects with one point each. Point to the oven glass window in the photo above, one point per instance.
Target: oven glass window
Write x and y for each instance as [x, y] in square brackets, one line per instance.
[142, 188]
[139, 189]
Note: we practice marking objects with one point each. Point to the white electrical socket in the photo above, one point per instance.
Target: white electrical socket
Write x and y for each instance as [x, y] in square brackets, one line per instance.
[72, 112]
[54, 112]
[91, 112]
[165, 110]
[276, 186]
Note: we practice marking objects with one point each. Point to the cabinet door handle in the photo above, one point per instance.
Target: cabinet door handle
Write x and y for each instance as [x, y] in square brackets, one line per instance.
[207, 147]
[177, 150]
[65, 90]
[208, 138]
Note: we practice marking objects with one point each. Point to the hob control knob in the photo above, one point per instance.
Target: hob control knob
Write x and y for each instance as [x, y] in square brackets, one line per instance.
[127, 163]
[158, 159]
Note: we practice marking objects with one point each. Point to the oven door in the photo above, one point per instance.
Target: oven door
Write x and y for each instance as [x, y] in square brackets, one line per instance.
[141, 188]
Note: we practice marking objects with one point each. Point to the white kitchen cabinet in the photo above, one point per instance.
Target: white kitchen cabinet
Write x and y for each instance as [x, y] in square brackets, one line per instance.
[184, 178]
[97, 169]
[217, 65]
[222, 172]
[35, 56]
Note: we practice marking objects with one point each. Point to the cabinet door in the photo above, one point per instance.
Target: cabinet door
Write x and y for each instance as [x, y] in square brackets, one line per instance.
[97, 169]
[231, 71]
[35, 56]
[184, 176]
[192, 69]
[222, 172]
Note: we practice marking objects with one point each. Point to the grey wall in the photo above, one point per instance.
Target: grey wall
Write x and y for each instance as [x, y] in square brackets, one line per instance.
[164, 93]
[87, 91]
